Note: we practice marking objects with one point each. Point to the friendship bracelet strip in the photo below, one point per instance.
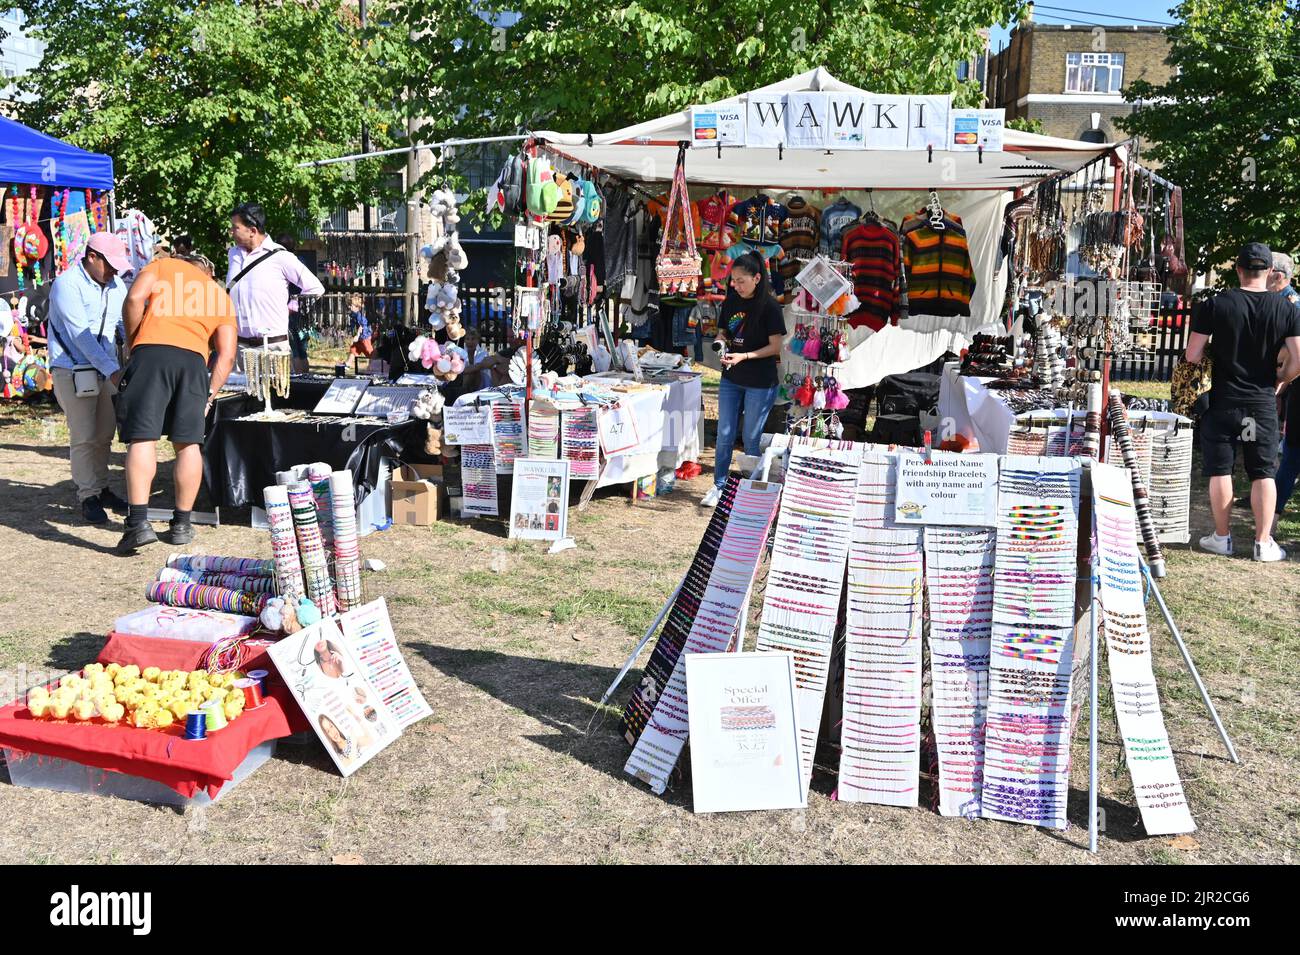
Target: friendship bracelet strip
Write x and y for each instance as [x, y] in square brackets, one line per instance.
[478, 475]
[814, 546]
[880, 738]
[959, 668]
[1027, 734]
[660, 745]
[1150, 758]
[681, 617]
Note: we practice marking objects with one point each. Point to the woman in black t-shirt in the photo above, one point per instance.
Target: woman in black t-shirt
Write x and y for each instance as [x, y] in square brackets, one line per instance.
[751, 329]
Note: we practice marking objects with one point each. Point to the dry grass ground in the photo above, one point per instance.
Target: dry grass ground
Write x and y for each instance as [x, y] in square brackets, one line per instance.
[519, 764]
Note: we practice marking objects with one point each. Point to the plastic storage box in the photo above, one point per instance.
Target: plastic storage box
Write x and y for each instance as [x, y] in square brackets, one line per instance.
[66, 776]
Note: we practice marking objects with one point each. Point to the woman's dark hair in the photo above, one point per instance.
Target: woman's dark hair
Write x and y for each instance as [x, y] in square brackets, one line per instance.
[329, 645]
[251, 215]
[322, 720]
[184, 244]
[751, 263]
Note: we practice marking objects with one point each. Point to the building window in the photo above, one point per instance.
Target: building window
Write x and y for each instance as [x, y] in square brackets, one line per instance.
[1094, 72]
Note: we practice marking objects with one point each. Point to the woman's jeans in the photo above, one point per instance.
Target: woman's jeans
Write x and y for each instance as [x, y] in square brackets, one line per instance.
[757, 404]
[1287, 470]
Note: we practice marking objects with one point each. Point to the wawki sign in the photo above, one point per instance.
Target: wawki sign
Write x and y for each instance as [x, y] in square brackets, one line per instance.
[815, 120]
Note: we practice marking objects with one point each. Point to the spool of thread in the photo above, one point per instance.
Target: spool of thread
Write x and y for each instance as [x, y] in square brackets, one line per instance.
[261, 677]
[252, 690]
[216, 716]
[196, 725]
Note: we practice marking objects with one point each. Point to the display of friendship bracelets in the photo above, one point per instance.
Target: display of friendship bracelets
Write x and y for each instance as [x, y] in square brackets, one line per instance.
[812, 543]
[207, 564]
[712, 630]
[1027, 741]
[203, 597]
[1167, 470]
[507, 434]
[252, 584]
[315, 563]
[1119, 429]
[959, 581]
[880, 736]
[318, 476]
[678, 622]
[478, 476]
[1123, 625]
[284, 542]
[543, 431]
[581, 443]
[347, 546]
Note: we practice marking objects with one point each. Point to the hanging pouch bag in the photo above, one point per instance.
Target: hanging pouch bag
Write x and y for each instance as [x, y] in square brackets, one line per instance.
[678, 264]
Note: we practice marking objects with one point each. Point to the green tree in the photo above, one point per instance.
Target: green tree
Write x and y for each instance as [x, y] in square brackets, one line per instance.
[1226, 126]
[207, 103]
[580, 66]
[1026, 125]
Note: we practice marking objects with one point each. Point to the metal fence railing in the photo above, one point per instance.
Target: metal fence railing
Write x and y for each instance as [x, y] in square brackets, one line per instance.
[1162, 345]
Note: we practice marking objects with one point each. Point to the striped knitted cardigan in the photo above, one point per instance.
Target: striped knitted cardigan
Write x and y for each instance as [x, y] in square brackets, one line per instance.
[873, 250]
[940, 278]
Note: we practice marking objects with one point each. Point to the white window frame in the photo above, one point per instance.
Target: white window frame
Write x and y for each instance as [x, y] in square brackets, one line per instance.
[1112, 62]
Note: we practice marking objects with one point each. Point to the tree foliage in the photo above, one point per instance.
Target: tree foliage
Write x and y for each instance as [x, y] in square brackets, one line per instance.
[204, 104]
[589, 67]
[1226, 127]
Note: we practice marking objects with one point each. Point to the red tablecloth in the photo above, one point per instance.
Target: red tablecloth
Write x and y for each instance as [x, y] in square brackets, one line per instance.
[167, 653]
[186, 766]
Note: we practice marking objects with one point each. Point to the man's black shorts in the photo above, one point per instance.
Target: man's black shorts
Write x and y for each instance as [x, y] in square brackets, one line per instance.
[1254, 427]
[164, 391]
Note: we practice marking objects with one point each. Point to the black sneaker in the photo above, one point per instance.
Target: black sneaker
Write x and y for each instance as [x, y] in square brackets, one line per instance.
[136, 537]
[111, 501]
[93, 512]
[178, 533]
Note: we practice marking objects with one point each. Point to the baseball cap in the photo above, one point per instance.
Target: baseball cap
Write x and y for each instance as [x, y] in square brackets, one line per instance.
[1255, 256]
[112, 249]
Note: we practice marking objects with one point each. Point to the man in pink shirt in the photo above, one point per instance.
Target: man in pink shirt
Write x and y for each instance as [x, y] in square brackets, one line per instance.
[258, 277]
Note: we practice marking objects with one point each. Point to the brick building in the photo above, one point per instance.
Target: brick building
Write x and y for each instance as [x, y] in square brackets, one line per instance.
[1072, 78]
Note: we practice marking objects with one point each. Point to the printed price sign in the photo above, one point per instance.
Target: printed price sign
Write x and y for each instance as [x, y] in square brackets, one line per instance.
[618, 430]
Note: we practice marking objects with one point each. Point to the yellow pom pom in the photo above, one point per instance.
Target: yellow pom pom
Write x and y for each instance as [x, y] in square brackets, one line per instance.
[38, 710]
[132, 671]
[84, 710]
[181, 709]
[232, 709]
[59, 709]
[92, 668]
[151, 674]
[161, 719]
[112, 668]
[38, 694]
[114, 712]
[140, 718]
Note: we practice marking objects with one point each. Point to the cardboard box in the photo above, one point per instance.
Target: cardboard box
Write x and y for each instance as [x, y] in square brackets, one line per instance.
[418, 497]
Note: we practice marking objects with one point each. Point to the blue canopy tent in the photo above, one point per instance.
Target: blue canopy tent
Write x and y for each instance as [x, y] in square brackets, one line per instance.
[27, 156]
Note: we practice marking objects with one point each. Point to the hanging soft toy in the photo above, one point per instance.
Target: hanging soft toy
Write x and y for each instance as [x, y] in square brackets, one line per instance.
[828, 352]
[798, 339]
[803, 395]
[819, 396]
[308, 612]
[813, 346]
[416, 348]
[841, 347]
[836, 399]
[430, 354]
[428, 407]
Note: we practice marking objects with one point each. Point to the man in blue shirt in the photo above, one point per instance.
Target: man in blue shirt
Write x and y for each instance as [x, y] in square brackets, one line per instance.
[84, 319]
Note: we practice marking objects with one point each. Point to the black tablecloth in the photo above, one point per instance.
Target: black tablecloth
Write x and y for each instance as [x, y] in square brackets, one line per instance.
[242, 457]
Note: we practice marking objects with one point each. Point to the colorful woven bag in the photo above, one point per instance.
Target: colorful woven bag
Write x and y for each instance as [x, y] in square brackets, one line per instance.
[678, 264]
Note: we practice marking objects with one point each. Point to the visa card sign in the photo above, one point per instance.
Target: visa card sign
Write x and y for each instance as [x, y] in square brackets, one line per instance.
[815, 120]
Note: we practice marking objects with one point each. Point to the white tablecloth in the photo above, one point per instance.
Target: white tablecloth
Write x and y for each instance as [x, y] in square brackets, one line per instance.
[967, 407]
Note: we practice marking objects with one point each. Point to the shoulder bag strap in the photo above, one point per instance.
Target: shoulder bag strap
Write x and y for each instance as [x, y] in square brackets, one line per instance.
[250, 266]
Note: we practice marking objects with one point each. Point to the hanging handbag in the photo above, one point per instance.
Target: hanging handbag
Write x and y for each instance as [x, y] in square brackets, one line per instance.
[1188, 384]
[678, 264]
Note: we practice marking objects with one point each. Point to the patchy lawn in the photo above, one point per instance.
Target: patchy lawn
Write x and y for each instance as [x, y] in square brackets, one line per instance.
[519, 764]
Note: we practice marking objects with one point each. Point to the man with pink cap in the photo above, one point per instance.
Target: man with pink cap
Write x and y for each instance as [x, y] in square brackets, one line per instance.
[84, 322]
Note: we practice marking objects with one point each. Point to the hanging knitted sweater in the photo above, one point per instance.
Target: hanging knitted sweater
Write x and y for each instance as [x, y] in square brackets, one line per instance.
[873, 250]
[940, 278]
[800, 234]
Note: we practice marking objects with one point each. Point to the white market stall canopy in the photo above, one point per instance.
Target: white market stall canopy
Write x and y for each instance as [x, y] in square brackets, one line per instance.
[648, 152]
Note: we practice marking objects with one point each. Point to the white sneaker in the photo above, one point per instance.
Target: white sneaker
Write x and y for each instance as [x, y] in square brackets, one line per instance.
[1269, 551]
[1217, 545]
[711, 499]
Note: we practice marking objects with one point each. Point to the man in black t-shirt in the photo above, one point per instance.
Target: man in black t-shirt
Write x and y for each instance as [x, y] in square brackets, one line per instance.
[1242, 330]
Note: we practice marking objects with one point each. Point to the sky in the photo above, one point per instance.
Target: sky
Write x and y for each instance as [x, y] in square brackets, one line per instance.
[1094, 11]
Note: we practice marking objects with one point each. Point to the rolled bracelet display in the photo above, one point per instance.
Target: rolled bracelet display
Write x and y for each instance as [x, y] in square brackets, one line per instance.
[208, 564]
[252, 584]
[1141, 503]
[318, 476]
[203, 597]
[347, 549]
[286, 563]
[315, 563]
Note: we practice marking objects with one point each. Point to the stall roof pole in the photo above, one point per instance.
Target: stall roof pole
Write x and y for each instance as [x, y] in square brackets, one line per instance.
[408, 149]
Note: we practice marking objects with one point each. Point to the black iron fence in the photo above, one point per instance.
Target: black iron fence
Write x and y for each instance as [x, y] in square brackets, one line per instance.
[1161, 345]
